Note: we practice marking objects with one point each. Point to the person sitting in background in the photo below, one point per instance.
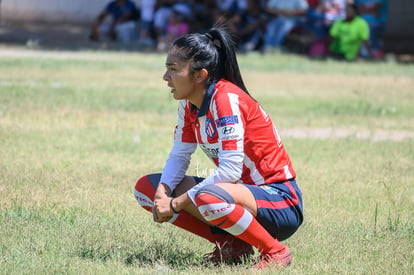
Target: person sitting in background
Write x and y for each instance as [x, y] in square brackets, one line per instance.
[176, 27]
[207, 12]
[320, 17]
[375, 13]
[286, 14]
[228, 8]
[163, 9]
[124, 15]
[348, 35]
[333, 10]
[249, 25]
[162, 19]
[146, 28]
[325, 13]
[313, 4]
[162, 13]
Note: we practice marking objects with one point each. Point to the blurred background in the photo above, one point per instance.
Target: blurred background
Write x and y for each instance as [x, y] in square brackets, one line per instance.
[62, 24]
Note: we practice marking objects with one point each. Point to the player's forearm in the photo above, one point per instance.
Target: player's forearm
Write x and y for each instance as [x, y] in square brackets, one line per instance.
[180, 202]
[162, 191]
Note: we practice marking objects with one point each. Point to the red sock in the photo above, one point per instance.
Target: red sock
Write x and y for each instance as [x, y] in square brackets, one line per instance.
[144, 193]
[236, 220]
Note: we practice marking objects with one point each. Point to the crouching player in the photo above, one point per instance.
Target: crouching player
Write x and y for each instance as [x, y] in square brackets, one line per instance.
[251, 199]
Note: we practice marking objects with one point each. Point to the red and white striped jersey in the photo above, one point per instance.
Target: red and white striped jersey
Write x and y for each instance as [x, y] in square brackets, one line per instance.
[235, 133]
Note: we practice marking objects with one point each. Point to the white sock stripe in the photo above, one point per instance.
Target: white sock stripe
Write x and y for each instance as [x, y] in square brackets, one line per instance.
[142, 199]
[215, 211]
[241, 225]
[173, 218]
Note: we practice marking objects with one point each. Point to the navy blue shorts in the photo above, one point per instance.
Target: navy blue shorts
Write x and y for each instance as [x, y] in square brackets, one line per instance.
[279, 207]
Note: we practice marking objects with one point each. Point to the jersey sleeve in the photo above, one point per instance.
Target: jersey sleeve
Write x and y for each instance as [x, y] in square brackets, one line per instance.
[230, 127]
[180, 154]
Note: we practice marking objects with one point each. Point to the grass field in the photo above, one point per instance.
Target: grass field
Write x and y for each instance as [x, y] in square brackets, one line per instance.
[78, 129]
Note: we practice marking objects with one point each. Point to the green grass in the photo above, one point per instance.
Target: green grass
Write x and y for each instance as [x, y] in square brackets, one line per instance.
[78, 129]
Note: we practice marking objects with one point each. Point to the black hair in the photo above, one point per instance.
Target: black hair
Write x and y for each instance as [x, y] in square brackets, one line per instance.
[213, 51]
[354, 7]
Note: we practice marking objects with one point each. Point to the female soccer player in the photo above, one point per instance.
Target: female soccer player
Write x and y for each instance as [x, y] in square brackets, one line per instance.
[251, 199]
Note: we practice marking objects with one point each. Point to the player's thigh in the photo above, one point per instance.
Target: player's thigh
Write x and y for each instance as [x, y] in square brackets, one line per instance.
[241, 195]
[186, 184]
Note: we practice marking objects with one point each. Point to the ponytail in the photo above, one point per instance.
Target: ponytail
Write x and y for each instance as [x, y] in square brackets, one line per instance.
[213, 51]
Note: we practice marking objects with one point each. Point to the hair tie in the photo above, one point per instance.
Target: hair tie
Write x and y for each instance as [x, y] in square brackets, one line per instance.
[212, 39]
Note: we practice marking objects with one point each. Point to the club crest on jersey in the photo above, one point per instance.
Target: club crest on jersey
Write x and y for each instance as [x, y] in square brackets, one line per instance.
[227, 120]
[210, 128]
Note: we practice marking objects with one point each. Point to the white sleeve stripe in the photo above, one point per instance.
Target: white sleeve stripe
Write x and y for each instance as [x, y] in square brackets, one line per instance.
[287, 172]
[234, 98]
[254, 173]
[180, 123]
[203, 134]
[240, 127]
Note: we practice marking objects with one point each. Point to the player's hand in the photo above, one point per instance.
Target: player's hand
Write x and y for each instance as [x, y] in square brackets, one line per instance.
[161, 210]
[156, 217]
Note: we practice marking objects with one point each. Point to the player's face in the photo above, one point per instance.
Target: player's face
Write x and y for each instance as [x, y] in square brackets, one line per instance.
[179, 77]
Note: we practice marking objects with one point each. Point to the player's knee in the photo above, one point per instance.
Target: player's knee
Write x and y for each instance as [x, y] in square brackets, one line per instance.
[141, 183]
[213, 193]
[214, 204]
[144, 191]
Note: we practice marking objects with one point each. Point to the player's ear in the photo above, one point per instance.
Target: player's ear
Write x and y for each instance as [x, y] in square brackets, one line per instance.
[201, 75]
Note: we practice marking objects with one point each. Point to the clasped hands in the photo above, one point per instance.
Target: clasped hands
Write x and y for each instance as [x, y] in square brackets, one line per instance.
[161, 211]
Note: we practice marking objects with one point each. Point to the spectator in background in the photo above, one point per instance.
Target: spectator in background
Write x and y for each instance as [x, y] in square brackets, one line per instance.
[348, 35]
[177, 26]
[206, 12]
[249, 25]
[320, 17]
[285, 15]
[323, 13]
[375, 13]
[228, 8]
[163, 11]
[334, 10]
[147, 17]
[123, 26]
[313, 4]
